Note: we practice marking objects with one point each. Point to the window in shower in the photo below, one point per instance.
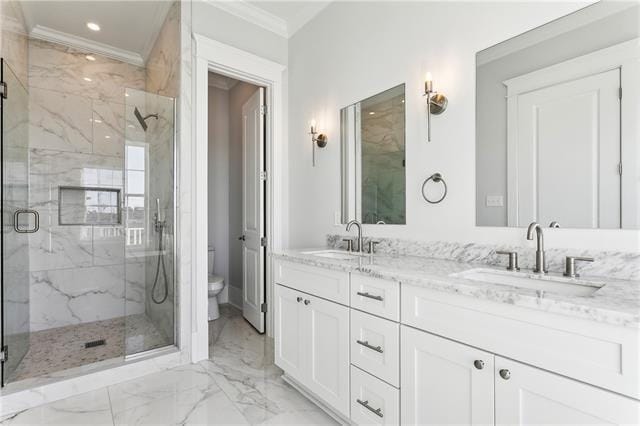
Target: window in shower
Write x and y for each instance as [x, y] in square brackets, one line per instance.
[135, 170]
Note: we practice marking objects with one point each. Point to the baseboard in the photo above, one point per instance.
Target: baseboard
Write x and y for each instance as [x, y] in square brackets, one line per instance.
[235, 296]
[307, 394]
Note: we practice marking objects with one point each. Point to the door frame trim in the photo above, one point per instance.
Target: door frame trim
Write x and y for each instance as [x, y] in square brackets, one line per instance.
[212, 55]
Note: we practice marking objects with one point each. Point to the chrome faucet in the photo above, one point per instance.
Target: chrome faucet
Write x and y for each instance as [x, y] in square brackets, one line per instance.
[359, 225]
[541, 261]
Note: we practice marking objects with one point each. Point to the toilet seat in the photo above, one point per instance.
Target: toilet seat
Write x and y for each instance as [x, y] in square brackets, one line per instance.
[216, 282]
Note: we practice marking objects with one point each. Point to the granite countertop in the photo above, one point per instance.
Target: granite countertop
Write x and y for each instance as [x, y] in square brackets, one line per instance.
[616, 303]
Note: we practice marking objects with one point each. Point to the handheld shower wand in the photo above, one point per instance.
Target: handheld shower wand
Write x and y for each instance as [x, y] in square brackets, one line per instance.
[159, 227]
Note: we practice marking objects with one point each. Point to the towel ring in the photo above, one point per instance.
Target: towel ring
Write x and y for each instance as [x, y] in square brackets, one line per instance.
[437, 178]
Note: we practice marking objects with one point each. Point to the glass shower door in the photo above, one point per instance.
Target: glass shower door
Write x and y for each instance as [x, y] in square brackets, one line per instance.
[17, 222]
[149, 221]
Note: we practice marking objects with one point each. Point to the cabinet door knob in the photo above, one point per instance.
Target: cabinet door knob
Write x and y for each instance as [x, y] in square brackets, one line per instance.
[479, 364]
[505, 374]
[299, 299]
[307, 301]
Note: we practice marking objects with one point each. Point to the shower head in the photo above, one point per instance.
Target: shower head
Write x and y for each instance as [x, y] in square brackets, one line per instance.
[143, 120]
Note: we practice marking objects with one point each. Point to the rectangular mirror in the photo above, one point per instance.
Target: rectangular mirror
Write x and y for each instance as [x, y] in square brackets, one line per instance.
[556, 123]
[373, 159]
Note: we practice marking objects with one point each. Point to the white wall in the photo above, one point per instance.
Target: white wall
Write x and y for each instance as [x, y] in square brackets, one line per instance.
[219, 25]
[218, 181]
[353, 50]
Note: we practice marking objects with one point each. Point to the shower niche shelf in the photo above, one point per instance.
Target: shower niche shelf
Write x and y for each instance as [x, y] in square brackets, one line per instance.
[80, 205]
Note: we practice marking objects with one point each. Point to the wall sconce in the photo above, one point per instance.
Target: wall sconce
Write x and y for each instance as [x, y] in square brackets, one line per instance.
[436, 102]
[320, 140]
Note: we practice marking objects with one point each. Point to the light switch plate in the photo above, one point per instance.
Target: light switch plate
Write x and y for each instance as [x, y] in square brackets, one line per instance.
[495, 201]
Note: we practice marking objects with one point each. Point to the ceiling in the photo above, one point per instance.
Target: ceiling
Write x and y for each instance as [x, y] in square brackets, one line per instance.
[128, 28]
[281, 17]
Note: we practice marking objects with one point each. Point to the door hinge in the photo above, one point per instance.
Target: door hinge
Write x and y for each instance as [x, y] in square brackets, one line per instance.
[263, 175]
[263, 241]
[4, 354]
[263, 109]
[263, 307]
[620, 93]
[620, 169]
[3, 89]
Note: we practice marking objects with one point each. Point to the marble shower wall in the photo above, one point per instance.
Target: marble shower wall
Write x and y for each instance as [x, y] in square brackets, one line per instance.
[77, 138]
[162, 85]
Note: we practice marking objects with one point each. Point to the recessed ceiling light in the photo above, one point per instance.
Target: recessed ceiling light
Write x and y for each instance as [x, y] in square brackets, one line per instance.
[90, 58]
[87, 79]
[372, 113]
[93, 26]
[97, 121]
[107, 137]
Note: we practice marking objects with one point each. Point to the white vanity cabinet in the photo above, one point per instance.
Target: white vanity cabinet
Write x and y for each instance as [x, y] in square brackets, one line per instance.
[444, 382]
[312, 342]
[531, 396]
[381, 352]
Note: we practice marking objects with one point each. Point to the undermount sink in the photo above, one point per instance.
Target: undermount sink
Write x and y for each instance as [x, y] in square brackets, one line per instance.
[333, 254]
[542, 283]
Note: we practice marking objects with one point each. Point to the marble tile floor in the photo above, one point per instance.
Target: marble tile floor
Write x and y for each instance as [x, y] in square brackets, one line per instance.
[238, 385]
[54, 351]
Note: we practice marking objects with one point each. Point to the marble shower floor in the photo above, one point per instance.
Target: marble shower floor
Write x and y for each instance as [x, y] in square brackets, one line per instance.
[55, 351]
[238, 385]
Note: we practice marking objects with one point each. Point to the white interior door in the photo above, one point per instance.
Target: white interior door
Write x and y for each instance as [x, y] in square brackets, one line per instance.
[566, 153]
[253, 210]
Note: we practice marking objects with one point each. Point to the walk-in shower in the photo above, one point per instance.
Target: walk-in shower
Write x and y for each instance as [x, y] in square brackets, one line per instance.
[94, 284]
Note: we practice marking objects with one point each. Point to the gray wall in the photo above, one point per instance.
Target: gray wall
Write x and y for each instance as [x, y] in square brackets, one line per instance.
[491, 111]
[218, 160]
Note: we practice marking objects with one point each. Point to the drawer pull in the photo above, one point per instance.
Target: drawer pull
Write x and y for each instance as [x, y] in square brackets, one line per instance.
[299, 299]
[370, 296]
[365, 404]
[479, 364]
[366, 344]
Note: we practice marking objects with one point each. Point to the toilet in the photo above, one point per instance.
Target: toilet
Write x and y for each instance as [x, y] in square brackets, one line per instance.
[215, 286]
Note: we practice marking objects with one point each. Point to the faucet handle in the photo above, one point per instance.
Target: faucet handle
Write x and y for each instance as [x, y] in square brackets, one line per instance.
[349, 242]
[372, 246]
[570, 265]
[513, 259]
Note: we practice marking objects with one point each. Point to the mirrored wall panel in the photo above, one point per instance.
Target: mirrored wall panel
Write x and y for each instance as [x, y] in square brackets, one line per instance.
[556, 123]
[373, 159]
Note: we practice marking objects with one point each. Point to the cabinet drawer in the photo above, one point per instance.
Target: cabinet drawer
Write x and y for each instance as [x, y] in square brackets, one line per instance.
[589, 351]
[321, 282]
[375, 346]
[376, 296]
[373, 402]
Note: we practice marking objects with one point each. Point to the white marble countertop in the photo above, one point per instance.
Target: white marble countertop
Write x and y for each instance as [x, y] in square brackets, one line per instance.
[616, 303]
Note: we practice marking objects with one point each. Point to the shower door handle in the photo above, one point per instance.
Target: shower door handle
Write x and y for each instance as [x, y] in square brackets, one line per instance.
[16, 219]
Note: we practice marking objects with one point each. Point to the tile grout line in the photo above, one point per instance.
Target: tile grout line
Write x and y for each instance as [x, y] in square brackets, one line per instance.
[113, 416]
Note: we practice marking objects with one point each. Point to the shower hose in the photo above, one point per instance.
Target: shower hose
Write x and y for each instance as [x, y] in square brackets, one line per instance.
[164, 272]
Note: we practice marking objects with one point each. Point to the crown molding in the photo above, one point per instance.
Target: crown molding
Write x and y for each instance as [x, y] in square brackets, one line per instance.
[253, 14]
[572, 21]
[55, 36]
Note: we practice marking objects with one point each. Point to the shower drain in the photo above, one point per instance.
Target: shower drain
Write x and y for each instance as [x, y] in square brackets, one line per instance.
[94, 343]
